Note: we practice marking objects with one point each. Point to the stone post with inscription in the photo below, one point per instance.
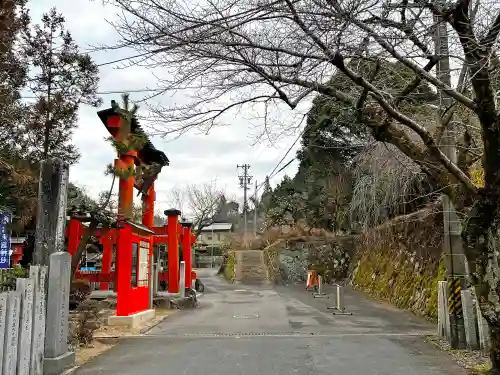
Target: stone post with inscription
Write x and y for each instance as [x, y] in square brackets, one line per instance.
[11, 334]
[26, 289]
[3, 325]
[57, 355]
[38, 275]
[51, 213]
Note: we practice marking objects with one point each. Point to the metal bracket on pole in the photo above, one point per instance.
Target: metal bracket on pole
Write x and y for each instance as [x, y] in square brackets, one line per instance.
[340, 302]
[320, 293]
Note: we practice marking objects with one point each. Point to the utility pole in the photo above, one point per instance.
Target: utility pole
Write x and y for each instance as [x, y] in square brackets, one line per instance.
[255, 211]
[245, 180]
[456, 271]
[456, 265]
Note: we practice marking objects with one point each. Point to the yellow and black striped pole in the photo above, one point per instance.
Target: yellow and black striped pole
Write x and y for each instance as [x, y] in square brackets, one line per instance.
[454, 297]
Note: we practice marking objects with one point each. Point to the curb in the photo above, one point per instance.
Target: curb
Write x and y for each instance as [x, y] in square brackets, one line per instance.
[112, 340]
[70, 370]
[147, 329]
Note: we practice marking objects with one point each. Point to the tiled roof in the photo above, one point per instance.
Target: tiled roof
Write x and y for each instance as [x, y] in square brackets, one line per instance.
[218, 227]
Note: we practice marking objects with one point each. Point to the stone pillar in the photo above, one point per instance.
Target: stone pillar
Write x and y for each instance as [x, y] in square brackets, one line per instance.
[469, 319]
[26, 288]
[11, 334]
[483, 331]
[51, 212]
[3, 325]
[443, 316]
[39, 275]
[57, 356]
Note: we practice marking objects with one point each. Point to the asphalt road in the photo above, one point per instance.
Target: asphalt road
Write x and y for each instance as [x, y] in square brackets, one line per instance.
[241, 330]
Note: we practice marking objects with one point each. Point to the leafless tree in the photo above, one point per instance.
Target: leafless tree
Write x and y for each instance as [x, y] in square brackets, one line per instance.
[201, 202]
[257, 54]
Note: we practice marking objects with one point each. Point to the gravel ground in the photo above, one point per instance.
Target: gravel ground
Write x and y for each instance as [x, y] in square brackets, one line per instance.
[470, 359]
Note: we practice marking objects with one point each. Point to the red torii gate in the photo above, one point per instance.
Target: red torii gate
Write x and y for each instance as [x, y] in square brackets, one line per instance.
[108, 239]
[134, 242]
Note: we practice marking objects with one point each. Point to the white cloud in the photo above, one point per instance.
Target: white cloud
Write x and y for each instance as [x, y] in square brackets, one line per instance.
[195, 158]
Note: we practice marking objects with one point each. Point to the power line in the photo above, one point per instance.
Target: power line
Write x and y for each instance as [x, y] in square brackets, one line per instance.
[112, 92]
[287, 152]
[126, 58]
[274, 172]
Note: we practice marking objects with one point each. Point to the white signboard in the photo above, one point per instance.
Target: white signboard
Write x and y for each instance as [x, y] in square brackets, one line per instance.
[142, 279]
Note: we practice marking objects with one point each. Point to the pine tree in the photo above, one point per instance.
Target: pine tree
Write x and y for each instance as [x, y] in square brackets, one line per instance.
[267, 193]
[267, 187]
[65, 78]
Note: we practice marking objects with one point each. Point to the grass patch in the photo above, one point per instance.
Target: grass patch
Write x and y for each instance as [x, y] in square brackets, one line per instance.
[482, 369]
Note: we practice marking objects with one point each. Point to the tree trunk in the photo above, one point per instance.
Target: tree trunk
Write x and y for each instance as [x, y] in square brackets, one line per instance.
[494, 330]
[482, 239]
[75, 260]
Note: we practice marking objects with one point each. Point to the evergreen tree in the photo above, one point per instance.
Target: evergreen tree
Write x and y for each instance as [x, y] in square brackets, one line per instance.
[267, 187]
[64, 79]
[14, 20]
[267, 193]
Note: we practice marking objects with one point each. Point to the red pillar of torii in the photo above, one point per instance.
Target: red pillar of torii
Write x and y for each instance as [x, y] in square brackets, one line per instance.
[148, 208]
[186, 248]
[173, 249]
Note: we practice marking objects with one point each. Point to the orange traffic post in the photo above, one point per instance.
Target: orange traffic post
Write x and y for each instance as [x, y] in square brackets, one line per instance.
[173, 249]
[186, 248]
[312, 279]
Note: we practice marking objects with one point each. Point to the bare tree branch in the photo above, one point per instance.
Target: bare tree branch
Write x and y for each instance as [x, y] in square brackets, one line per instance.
[202, 203]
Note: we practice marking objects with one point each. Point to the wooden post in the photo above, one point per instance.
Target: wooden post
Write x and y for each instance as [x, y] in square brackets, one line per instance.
[51, 213]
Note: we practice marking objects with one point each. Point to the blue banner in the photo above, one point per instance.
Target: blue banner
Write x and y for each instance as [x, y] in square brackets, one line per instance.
[5, 220]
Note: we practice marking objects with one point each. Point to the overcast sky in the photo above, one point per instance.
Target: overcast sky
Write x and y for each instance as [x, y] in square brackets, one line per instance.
[194, 158]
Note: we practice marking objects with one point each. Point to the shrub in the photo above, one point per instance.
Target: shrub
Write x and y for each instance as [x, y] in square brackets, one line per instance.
[85, 324]
[8, 277]
[79, 292]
